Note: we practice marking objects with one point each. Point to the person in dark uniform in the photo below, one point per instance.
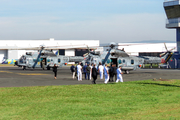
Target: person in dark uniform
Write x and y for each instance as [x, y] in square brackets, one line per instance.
[43, 64]
[111, 73]
[76, 71]
[88, 69]
[114, 72]
[84, 71]
[94, 74]
[73, 70]
[55, 71]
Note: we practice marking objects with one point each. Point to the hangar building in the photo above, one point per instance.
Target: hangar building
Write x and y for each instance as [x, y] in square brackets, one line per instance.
[146, 49]
[7, 47]
[136, 49]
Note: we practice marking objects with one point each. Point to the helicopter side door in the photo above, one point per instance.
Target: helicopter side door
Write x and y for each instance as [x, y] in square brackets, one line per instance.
[114, 61]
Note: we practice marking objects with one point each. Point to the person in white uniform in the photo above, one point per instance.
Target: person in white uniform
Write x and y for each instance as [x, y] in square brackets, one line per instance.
[106, 74]
[101, 68]
[91, 71]
[119, 75]
[79, 72]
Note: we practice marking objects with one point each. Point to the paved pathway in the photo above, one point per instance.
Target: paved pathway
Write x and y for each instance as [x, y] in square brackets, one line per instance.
[16, 77]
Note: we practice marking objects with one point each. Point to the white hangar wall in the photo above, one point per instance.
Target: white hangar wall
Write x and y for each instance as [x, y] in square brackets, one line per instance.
[7, 45]
[3, 53]
[136, 48]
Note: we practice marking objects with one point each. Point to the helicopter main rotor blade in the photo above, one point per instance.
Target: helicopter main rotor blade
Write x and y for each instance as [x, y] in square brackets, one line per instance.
[172, 48]
[162, 54]
[79, 46]
[106, 58]
[38, 57]
[165, 46]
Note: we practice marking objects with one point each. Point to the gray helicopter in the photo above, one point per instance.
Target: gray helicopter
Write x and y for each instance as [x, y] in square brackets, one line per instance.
[160, 61]
[45, 54]
[114, 56]
[121, 58]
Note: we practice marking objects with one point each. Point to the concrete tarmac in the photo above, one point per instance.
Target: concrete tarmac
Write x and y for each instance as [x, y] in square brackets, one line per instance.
[16, 77]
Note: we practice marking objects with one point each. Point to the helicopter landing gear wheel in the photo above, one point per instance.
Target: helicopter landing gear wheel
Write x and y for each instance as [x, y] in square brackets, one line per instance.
[48, 68]
[24, 67]
[126, 71]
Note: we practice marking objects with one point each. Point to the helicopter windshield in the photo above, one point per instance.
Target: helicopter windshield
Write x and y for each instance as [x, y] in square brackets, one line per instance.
[22, 59]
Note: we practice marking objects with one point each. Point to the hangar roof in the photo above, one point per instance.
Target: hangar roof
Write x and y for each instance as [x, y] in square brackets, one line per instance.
[15, 44]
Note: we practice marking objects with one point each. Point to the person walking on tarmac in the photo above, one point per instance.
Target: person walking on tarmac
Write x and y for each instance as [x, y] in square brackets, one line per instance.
[119, 75]
[88, 69]
[111, 73]
[94, 74]
[79, 72]
[106, 74]
[84, 71]
[114, 72]
[91, 71]
[73, 70]
[100, 70]
[43, 64]
[55, 71]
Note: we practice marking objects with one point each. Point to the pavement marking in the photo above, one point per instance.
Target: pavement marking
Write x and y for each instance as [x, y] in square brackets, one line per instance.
[5, 72]
[31, 74]
[24, 73]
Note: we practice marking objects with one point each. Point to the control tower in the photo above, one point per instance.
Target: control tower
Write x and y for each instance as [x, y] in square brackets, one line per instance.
[172, 9]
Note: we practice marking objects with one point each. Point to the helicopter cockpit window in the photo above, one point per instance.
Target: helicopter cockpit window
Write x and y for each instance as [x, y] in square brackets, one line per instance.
[132, 61]
[102, 60]
[124, 61]
[59, 60]
[51, 59]
[120, 62]
[38, 60]
[108, 61]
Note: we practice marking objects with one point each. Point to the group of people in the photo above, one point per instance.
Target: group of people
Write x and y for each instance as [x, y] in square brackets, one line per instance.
[93, 71]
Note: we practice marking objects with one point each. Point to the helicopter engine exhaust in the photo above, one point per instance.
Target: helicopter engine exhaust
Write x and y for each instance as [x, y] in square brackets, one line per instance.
[76, 59]
[119, 54]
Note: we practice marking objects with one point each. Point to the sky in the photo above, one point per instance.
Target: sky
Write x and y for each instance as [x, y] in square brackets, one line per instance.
[104, 20]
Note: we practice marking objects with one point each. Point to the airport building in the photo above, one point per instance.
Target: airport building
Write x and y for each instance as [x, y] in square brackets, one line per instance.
[147, 49]
[172, 9]
[9, 48]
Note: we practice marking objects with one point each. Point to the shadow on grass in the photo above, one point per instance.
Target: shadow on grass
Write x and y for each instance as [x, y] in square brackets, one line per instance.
[166, 85]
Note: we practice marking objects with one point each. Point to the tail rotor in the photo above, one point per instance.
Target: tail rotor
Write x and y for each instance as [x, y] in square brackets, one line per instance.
[167, 51]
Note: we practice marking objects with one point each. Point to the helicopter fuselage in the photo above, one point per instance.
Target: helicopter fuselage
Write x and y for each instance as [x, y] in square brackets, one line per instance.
[117, 57]
[29, 60]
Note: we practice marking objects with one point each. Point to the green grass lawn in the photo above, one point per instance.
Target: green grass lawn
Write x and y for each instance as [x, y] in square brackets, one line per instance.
[151, 100]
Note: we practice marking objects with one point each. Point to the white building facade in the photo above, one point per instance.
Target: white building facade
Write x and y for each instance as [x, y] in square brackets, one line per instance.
[7, 46]
[137, 48]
